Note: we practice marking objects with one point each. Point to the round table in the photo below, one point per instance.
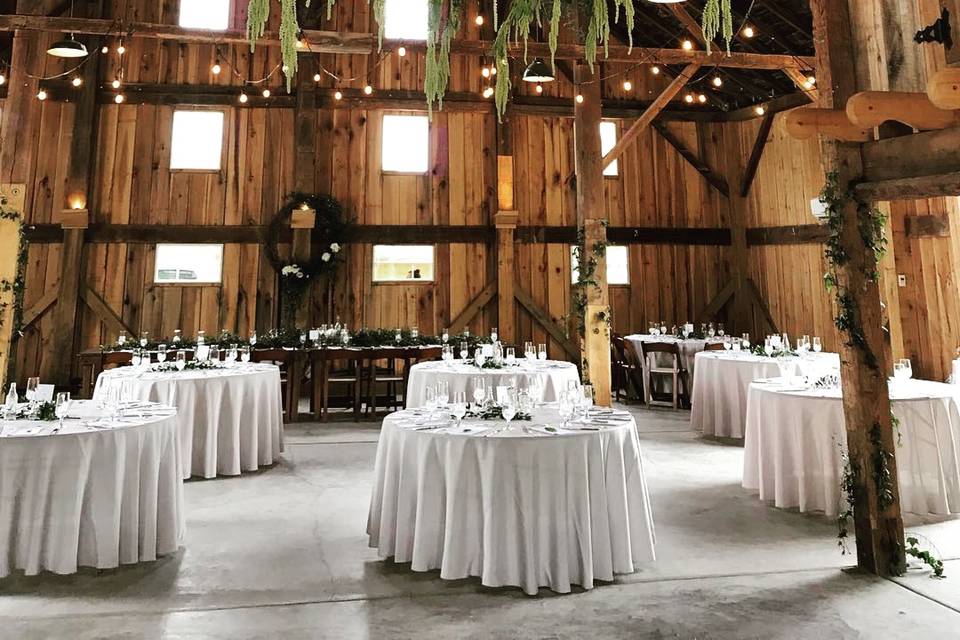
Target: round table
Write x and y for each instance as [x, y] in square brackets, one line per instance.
[230, 419]
[100, 493]
[795, 440]
[689, 348]
[554, 377]
[519, 505]
[719, 403]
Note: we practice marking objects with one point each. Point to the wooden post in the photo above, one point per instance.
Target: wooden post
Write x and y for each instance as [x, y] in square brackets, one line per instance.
[302, 222]
[9, 253]
[737, 211]
[305, 175]
[866, 400]
[506, 222]
[591, 217]
[57, 369]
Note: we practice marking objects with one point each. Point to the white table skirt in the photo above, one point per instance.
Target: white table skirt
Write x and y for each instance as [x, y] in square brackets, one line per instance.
[794, 444]
[230, 420]
[554, 377]
[92, 498]
[719, 403]
[529, 510]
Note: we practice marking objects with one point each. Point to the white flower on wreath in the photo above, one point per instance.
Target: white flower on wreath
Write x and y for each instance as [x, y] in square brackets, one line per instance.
[326, 257]
[335, 247]
[292, 270]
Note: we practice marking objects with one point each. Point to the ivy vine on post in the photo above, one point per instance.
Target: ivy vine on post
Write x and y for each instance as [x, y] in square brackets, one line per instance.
[446, 17]
[588, 261]
[16, 284]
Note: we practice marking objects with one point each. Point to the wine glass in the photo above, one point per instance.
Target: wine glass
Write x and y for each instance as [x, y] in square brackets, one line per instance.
[430, 401]
[587, 399]
[726, 344]
[464, 350]
[63, 407]
[817, 344]
[720, 330]
[181, 360]
[511, 355]
[253, 339]
[32, 385]
[136, 359]
[509, 406]
[443, 394]
[245, 354]
[745, 340]
[445, 336]
[414, 332]
[478, 357]
[541, 352]
[768, 347]
[459, 406]
[565, 407]
[161, 353]
[536, 389]
[479, 389]
[214, 354]
[494, 334]
[144, 338]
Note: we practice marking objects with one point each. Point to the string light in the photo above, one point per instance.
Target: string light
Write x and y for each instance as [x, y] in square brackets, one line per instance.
[627, 85]
[688, 98]
[3, 79]
[579, 98]
[811, 80]
[316, 77]
[76, 82]
[717, 81]
[121, 49]
[687, 45]
[479, 20]
[368, 90]
[489, 92]
[402, 51]
[807, 85]
[116, 83]
[749, 32]
[118, 98]
[485, 72]
[215, 69]
[759, 110]
[243, 98]
[42, 95]
[266, 93]
[338, 95]
[655, 70]
[702, 98]
[105, 49]
[301, 44]
[493, 69]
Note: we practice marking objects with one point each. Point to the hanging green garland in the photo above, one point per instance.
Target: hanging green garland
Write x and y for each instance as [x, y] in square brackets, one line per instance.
[446, 17]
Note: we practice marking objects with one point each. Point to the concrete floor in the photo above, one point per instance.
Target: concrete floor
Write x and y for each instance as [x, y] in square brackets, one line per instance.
[282, 554]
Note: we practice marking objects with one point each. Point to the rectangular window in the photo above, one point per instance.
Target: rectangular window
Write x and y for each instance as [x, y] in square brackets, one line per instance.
[405, 20]
[197, 140]
[618, 265]
[608, 140]
[406, 144]
[205, 14]
[402, 263]
[188, 264]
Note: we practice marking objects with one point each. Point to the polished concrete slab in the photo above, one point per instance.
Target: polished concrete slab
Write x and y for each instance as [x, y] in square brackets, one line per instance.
[282, 553]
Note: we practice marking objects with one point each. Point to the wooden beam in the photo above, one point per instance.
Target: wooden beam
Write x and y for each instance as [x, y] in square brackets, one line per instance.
[796, 234]
[715, 180]
[871, 109]
[929, 226]
[347, 43]
[761, 304]
[39, 308]
[922, 154]
[544, 320]
[718, 302]
[506, 223]
[799, 78]
[931, 186]
[777, 105]
[649, 115]
[750, 172]
[103, 311]
[476, 305]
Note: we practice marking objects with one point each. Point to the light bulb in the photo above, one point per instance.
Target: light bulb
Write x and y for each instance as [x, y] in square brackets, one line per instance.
[301, 44]
[748, 32]
[479, 20]
[285, 68]
[243, 98]
[118, 98]
[807, 85]
[216, 69]
[121, 50]
[402, 51]
[493, 69]
[811, 80]
[579, 98]
[688, 98]
[717, 81]
[316, 77]
[702, 98]
[687, 45]
[760, 110]
[76, 82]
[338, 95]
[266, 93]
[3, 79]
[42, 95]
[485, 72]
[655, 70]
[115, 84]
[539, 88]
[627, 85]
[368, 89]
[488, 92]
[105, 49]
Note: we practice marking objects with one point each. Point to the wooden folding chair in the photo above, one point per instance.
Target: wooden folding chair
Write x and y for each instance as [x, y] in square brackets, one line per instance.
[325, 374]
[635, 369]
[714, 346]
[675, 372]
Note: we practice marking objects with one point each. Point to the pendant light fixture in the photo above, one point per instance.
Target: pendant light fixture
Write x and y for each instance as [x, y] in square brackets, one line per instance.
[538, 71]
[68, 47]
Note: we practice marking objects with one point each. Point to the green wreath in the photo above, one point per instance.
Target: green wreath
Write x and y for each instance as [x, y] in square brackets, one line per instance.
[328, 233]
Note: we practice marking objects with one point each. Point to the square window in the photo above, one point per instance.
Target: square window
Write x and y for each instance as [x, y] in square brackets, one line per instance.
[405, 20]
[188, 264]
[205, 14]
[406, 144]
[197, 142]
[608, 140]
[618, 265]
[401, 263]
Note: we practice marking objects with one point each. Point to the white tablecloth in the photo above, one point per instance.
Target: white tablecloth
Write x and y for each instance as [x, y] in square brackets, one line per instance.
[89, 496]
[230, 420]
[523, 508]
[554, 377]
[720, 389]
[795, 440]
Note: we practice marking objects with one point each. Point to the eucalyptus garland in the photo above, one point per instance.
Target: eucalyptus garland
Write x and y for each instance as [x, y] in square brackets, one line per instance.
[446, 18]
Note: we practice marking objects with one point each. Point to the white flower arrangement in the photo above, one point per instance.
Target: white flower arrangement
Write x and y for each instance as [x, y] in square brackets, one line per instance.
[335, 247]
[292, 270]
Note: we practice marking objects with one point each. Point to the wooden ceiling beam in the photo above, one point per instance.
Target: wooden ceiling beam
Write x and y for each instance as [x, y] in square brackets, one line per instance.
[717, 181]
[348, 43]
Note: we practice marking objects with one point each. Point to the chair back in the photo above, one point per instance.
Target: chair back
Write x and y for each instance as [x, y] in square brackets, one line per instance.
[714, 346]
[648, 349]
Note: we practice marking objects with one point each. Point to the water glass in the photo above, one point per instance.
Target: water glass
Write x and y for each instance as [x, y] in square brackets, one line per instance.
[907, 368]
[511, 355]
[136, 359]
[494, 335]
[245, 354]
[536, 389]
[541, 352]
[565, 406]
[181, 360]
[63, 407]
[459, 406]
[817, 344]
[727, 344]
[478, 357]
[445, 336]
[479, 389]
[528, 351]
[32, 385]
[161, 353]
[587, 399]
[144, 339]
[509, 406]
[464, 350]
[443, 393]
[720, 330]
[745, 340]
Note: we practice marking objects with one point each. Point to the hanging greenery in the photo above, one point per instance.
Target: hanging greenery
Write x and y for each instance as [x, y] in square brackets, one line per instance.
[16, 284]
[446, 17]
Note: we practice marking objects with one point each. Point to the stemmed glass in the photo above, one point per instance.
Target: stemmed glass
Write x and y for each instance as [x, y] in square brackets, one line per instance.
[720, 330]
[726, 344]
[161, 353]
[32, 385]
[445, 336]
[479, 389]
[63, 407]
[443, 394]
[511, 355]
[464, 350]
[745, 340]
[136, 359]
[541, 352]
[586, 399]
[459, 406]
[768, 347]
[143, 339]
[181, 360]
[509, 406]
[430, 401]
[478, 357]
[817, 344]
[245, 354]
[565, 407]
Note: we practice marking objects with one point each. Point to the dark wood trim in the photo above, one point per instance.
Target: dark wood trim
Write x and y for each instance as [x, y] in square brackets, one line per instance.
[750, 172]
[795, 234]
[715, 180]
[931, 186]
[930, 226]
[719, 302]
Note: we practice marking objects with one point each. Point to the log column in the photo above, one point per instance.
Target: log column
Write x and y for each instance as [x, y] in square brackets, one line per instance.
[866, 400]
[591, 214]
[57, 369]
[9, 253]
